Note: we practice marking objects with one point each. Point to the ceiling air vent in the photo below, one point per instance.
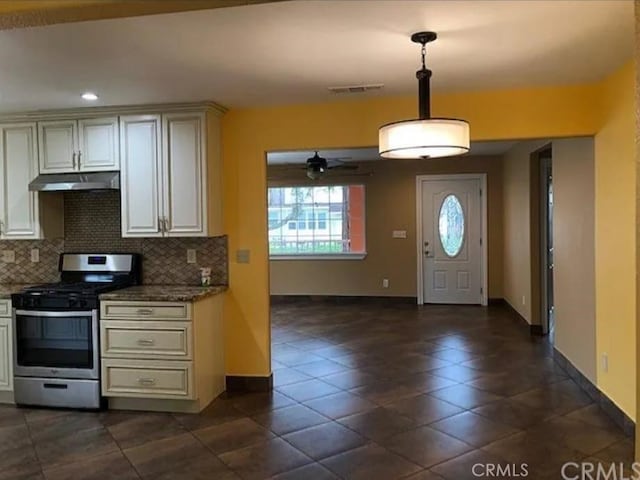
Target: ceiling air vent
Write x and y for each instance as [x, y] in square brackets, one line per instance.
[356, 88]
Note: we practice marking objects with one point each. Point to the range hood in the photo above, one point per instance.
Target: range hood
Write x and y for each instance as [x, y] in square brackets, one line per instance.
[61, 182]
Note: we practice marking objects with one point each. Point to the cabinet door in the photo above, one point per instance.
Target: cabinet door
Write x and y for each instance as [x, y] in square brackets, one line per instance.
[6, 354]
[19, 214]
[184, 166]
[140, 175]
[57, 144]
[98, 146]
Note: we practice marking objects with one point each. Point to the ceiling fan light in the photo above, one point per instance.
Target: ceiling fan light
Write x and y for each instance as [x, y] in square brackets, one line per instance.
[424, 138]
[315, 173]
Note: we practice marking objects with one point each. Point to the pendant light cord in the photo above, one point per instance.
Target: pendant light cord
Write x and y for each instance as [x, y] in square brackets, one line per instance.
[424, 75]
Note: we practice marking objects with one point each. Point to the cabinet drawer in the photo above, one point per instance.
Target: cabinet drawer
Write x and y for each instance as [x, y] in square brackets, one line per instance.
[162, 340]
[145, 311]
[147, 379]
[5, 308]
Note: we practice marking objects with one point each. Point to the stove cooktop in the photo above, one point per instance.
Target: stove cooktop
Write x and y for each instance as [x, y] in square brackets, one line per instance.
[72, 288]
[83, 277]
[63, 296]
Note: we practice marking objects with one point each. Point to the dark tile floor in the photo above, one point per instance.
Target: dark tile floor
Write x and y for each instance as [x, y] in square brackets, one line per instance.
[362, 392]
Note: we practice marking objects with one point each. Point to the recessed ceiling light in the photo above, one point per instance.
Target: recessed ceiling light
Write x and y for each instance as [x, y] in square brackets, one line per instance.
[90, 96]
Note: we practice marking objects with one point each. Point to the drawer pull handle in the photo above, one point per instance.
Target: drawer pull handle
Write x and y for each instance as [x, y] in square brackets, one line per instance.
[147, 381]
[146, 341]
[145, 311]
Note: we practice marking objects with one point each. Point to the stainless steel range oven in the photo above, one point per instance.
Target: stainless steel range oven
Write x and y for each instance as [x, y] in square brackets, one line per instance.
[56, 328]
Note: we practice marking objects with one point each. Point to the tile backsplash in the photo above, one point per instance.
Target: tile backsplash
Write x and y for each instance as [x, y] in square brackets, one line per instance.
[23, 271]
[92, 224]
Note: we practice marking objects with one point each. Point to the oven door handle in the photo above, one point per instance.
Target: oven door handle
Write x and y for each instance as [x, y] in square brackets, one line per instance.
[40, 313]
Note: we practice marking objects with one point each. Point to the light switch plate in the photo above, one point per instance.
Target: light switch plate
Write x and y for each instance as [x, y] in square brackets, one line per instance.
[9, 256]
[399, 234]
[35, 255]
[191, 256]
[243, 256]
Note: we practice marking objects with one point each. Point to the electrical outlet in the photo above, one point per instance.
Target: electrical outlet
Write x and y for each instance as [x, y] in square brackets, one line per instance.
[243, 256]
[191, 255]
[385, 283]
[9, 256]
[524, 300]
[35, 255]
[605, 362]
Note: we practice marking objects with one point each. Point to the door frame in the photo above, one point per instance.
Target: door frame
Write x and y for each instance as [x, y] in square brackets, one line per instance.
[544, 159]
[484, 273]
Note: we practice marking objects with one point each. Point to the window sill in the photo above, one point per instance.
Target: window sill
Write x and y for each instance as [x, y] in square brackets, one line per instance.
[320, 256]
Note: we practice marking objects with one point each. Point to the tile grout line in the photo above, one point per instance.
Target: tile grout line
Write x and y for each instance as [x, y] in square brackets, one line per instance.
[121, 450]
[33, 445]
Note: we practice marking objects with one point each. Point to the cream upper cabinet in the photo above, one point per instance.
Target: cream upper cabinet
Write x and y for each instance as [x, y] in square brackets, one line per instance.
[19, 165]
[57, 146]
[24, 215]
[86, 145]
[19, 215]
[170, 175]
[185, 173]
[141, 175]
[99, 143]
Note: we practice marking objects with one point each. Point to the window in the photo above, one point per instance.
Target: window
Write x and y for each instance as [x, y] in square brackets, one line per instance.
[316, 221]
[451, 225]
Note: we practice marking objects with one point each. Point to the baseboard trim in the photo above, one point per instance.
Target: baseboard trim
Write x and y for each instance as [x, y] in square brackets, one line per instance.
[155, 405]
[237, 383]
[611, 409]
[341, 299]
[7, 397]
[497, 302]
[536, 330]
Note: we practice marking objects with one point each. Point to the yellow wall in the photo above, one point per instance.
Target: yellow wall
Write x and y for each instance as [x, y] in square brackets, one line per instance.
[616, 240]
[249, 133]
[391, 205]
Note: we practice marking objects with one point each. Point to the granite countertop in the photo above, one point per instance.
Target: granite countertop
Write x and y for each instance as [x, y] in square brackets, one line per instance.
[163, 293]
[6, 289]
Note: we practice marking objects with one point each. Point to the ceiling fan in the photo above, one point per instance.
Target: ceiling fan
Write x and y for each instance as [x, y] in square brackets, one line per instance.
[317, 166]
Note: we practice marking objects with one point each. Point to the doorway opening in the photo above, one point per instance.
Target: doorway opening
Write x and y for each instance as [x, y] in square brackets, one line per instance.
[452, 252]
[546, 243]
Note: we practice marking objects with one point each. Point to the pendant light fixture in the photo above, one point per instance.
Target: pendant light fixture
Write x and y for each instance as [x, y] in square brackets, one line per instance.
[424, 137]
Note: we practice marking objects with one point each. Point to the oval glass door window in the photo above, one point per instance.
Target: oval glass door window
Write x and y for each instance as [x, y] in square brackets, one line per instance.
[451, 225]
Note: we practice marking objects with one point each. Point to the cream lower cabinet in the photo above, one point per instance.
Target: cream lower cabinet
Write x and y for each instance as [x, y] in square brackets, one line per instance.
[6, 352]
[162, 356]
[24, 215]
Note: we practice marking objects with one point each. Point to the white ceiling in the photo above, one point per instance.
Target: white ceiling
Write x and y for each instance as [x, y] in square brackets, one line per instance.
[291, 52]
[293, 157]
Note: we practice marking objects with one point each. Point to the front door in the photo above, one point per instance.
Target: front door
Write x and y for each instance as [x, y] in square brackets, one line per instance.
[452, 241]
